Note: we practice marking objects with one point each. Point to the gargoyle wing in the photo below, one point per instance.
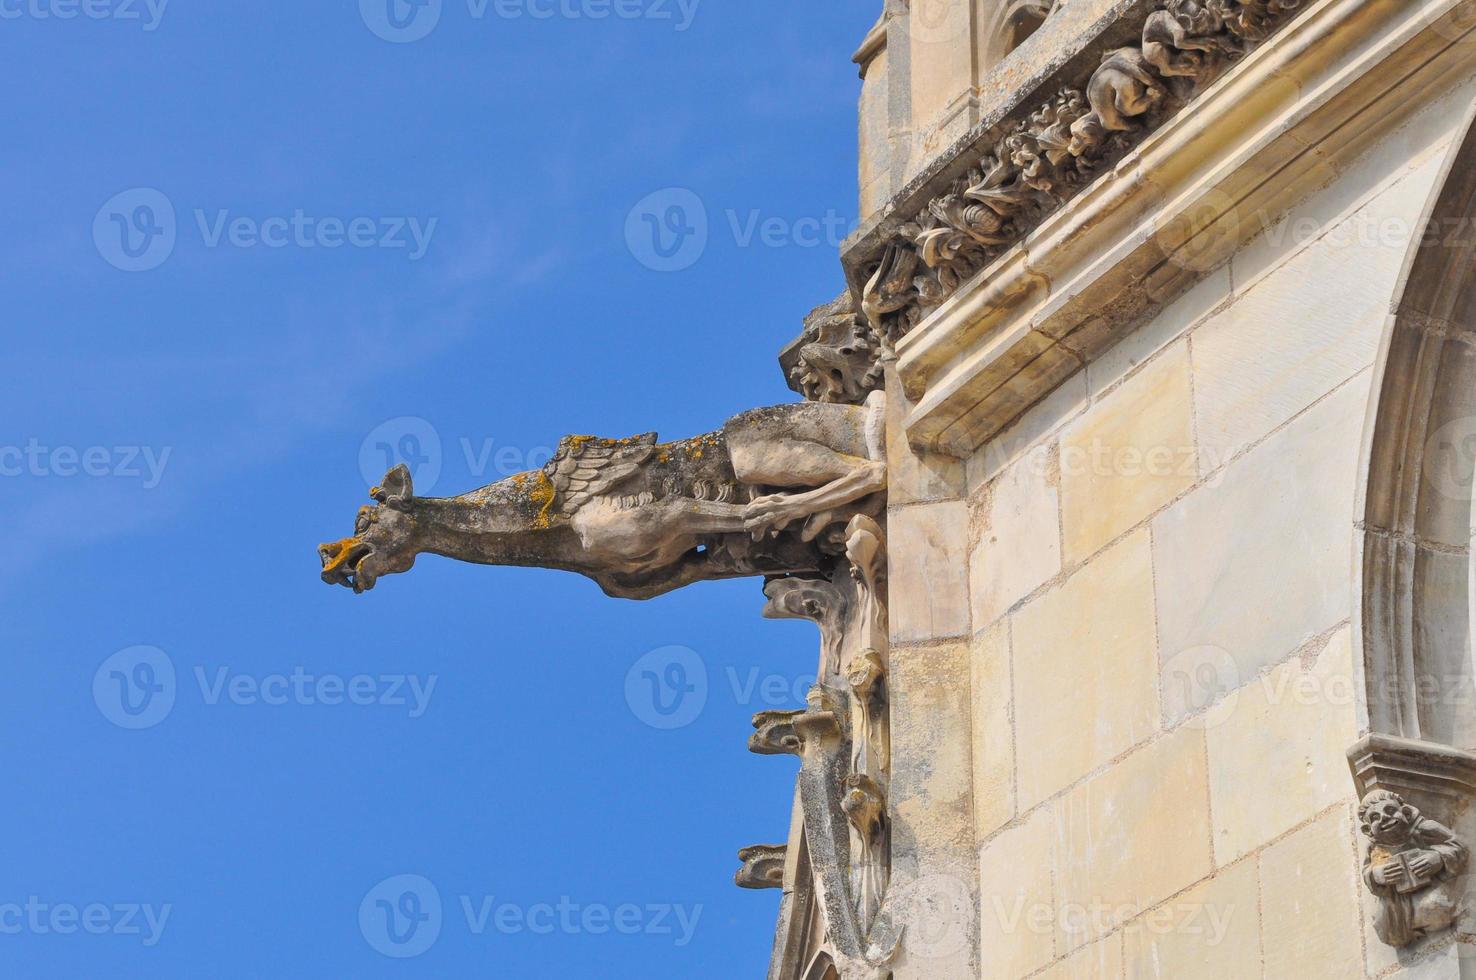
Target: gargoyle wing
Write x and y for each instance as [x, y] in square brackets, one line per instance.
[586, 467]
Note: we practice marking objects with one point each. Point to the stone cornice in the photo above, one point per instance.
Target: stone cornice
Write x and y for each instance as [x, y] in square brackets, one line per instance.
[874, 44]
[1179, 202]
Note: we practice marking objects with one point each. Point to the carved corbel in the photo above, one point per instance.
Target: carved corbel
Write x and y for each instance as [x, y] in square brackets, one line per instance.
[866, 549]
[818, 600]
[774, 733]
[1415, 865]
[763, 866]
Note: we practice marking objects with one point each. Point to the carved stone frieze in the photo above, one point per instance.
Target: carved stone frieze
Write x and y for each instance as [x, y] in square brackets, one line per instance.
[763, 866]
[1053, 150]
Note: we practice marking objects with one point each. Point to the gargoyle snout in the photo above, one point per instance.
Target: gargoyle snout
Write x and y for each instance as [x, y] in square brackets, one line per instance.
[342, 560]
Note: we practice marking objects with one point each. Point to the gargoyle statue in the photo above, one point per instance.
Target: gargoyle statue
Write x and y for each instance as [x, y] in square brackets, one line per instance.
[641, 517]
[1410, 858]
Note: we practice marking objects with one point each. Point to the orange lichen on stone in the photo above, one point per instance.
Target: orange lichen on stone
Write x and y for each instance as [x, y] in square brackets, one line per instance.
[345, 549]
[544, 495]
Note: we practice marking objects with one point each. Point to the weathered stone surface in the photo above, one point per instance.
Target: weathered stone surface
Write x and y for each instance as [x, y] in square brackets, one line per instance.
[1251, 566]
[1134, 835]
[929, 562]
[1252, 374]
[1102, 960]
[1283, 737]
[1130, 454]
[1210, 932]
[1309, 902]
[1096, 630]
[1017, 903]
[994, 735]
[1152, 337]
[1018, 544]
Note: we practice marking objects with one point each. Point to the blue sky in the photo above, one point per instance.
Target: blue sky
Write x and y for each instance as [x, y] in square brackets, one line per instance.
[441, 246]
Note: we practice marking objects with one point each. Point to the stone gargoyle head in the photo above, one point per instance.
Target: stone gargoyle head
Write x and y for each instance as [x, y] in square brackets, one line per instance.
[385, 540]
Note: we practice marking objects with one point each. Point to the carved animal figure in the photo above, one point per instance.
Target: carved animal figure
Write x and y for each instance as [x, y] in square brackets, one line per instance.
[641, 517]
[1122, 88]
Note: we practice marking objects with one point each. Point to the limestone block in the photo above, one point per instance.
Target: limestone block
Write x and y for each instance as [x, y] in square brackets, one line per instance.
[1085, 671]
[1302, 331]
[1211, 932]
[1101, 960]
[914, 476]
[994, 735]
[1283, 737]
[1250, 567]
[1309, 902]
[928, 562]
[940, 32]
[1018, 547]
[932, 784]
[1131, 453]
[1412, 154]
[1132, 836]
[1017, 906]
[1029, 430]
[1171, 323]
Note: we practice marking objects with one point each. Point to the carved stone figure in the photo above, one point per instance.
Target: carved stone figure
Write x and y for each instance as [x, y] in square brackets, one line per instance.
[1409, 858]
[815, 599]
[641, 517]
[837, 358]
[763, 866]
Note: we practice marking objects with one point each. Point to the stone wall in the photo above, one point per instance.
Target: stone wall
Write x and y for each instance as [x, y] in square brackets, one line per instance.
[1123, 634]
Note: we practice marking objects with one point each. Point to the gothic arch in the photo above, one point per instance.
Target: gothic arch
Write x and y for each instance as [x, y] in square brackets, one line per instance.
[1007, 23]
[1415, 538]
